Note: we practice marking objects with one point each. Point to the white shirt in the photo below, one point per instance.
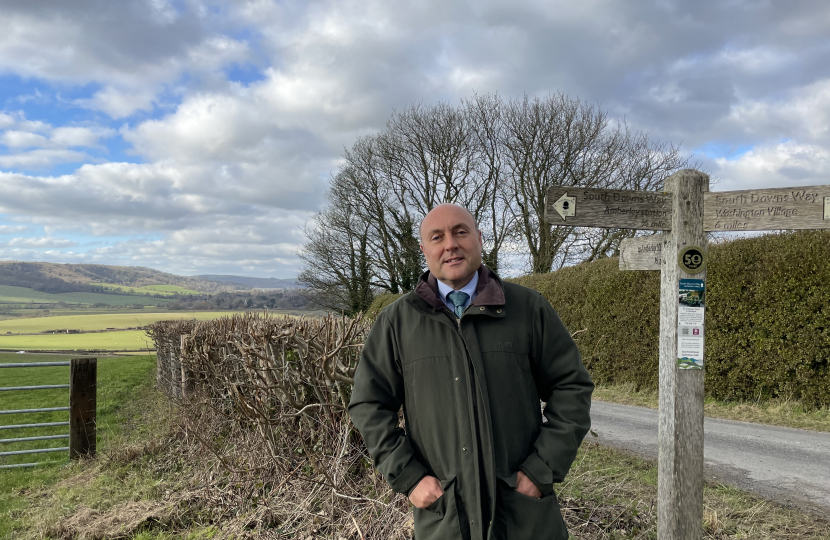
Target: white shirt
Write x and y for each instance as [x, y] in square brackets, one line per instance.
[469, 288]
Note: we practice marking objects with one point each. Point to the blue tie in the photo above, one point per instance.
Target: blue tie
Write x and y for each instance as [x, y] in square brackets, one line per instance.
[459, 300]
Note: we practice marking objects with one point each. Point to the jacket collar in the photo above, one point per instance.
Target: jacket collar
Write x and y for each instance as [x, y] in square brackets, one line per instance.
[489, 291]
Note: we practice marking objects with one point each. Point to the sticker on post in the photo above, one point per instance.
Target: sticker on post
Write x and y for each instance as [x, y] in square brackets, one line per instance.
[692, 259]
[565, 206]
[690, 320]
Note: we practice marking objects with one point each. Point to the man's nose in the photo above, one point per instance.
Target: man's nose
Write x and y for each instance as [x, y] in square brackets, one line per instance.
[450, 243]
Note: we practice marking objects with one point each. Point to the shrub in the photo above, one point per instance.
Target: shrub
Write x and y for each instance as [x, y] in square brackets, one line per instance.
[767, 318]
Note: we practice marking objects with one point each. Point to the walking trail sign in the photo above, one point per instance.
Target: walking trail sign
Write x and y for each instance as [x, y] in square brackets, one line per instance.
[686, 211]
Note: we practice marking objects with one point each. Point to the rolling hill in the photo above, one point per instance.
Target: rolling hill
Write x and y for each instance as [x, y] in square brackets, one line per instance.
[66, 278]
[254, 282]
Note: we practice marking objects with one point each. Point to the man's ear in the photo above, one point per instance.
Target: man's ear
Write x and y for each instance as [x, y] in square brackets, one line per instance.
[422, 247]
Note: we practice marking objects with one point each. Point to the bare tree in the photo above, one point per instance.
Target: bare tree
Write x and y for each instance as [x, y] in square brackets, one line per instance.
[555, 141]
[495, 158]
[490, 201]
[337, 264]
[558, 141]
[644, 166]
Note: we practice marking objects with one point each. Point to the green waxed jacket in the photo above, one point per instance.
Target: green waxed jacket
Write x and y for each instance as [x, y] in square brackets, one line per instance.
[470, 390]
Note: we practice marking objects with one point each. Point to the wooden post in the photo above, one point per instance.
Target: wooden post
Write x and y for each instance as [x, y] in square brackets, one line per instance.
[187, 380]
[160, 355]
[175, 372]
[680, 437]
[83, 383]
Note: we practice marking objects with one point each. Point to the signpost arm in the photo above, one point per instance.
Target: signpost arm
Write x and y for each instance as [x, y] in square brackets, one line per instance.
[680, 436]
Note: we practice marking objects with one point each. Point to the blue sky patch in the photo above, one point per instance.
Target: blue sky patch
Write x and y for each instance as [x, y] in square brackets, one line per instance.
[717, 150]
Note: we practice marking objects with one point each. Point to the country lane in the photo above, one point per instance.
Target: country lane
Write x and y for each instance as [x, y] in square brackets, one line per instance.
[788, 465]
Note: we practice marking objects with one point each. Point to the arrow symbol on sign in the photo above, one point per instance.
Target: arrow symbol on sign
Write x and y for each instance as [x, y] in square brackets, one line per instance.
[565, 206]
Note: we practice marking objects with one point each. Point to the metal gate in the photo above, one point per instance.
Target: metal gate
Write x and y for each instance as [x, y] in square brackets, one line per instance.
[4, 428]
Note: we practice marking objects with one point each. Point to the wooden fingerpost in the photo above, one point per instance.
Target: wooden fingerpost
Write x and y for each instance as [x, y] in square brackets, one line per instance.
[680, 436]
[688, 210]
[83, 384]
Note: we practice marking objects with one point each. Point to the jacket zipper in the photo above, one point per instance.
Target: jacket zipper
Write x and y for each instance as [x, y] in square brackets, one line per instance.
[475, 443]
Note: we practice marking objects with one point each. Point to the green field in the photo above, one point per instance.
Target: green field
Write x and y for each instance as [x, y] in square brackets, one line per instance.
[33, 399]
[115, 376]
[113, 341]
[86, 322]
[119, 381]
[165, 290]
[21, 295]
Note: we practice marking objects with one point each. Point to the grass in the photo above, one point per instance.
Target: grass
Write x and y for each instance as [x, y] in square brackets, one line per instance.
[165, 290]
[775, 412]
[21, 295]
[121, 384]
[86, 322]
[141, 487]
[113, 341]
[611, 494]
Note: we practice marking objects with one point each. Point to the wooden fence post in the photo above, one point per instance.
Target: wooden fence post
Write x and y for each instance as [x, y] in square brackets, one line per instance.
[83, 400]
[680, 436]
[187, 379]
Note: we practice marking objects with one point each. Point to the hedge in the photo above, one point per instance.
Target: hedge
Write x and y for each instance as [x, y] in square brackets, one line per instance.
[767, 318]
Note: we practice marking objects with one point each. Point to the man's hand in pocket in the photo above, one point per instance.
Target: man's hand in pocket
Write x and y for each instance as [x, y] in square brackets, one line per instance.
[426, 492]
[525, 486]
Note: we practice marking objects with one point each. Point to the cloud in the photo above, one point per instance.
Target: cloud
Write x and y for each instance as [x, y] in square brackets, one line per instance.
[803, 114]
[132, 48]
[6, 120]
[79, 136]
[238, 112]
[42, 242]
[36, 145]
[41, 159]
[23, 139]
[120, 103]
[13, 229]
[779, 165]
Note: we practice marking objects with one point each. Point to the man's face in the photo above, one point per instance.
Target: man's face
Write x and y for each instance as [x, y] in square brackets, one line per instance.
[451, 245]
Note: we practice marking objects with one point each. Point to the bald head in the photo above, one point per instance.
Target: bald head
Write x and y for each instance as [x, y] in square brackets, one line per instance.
[443, 209]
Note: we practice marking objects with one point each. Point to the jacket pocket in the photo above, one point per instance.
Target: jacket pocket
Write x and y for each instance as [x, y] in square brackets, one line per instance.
[439, 521]
[526, 518]
[432, 412]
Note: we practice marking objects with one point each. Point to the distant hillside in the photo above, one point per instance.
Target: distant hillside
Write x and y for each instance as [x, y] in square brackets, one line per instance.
[253, 283]
[64, 278]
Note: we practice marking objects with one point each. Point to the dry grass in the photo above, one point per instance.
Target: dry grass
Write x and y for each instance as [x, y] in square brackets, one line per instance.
[610, 495]
[165, 482]
[775, 412]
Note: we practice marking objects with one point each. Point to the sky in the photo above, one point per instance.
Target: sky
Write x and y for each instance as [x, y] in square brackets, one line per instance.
[197, 137]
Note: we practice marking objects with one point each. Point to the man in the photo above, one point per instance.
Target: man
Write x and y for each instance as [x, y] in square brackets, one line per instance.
[469, 357]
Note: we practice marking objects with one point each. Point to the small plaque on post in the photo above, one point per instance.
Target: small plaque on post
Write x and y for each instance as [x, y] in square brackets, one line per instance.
[642, 252]
[690, 317]
[692, 259]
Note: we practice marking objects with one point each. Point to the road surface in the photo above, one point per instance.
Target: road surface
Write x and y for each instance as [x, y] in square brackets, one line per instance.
[791, 466]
